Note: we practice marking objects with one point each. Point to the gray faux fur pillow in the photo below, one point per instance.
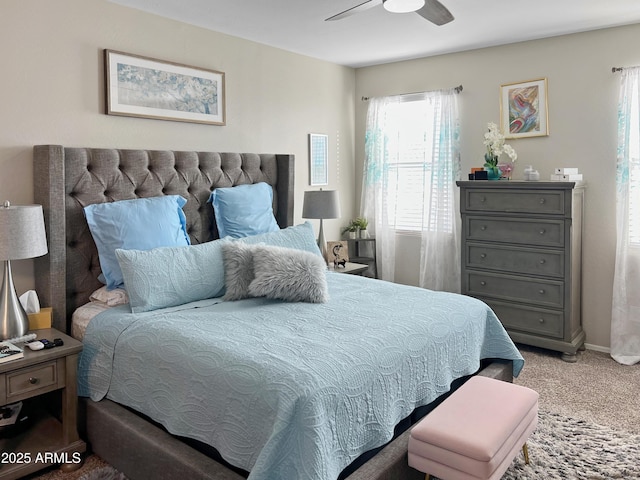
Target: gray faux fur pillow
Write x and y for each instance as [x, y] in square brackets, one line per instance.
[238, 269]
[288, 274]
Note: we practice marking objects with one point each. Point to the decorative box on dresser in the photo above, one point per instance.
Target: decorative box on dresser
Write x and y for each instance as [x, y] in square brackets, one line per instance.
[521, 254]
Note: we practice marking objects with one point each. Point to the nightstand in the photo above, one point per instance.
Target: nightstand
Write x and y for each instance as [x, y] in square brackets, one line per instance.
[42, 379]
[363, 250]
[350, 267]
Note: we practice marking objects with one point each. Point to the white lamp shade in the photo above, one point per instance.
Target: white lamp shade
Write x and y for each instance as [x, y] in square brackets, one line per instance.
[403, 6]
[321, 204]
[22, 233]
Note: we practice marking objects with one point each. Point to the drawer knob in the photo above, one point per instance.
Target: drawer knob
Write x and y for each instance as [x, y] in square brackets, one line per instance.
[483, 255]
[483, 227]
[33, 380]
[542, 261]
[542, 231]
[542, 200]
[541, 320]
[541, 291]
[483, 199]
[483, 283]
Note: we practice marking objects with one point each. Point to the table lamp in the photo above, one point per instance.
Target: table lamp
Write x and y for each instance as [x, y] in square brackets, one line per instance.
[321, 204]
[22, 235]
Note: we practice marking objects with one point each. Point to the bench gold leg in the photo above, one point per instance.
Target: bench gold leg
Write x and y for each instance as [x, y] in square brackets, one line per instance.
[427, 477]
[525, 450]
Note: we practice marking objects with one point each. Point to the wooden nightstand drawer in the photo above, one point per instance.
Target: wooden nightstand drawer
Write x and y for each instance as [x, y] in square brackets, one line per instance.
[523, 201]
[34, 380]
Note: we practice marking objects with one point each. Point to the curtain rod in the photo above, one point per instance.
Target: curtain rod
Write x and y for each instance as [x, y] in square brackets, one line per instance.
[620, 69]
[457, 89]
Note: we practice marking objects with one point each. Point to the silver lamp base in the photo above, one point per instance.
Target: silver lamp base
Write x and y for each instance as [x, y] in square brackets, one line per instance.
[14, 321]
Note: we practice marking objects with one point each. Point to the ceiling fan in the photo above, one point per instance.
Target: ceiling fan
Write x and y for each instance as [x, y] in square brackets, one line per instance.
[431, 10]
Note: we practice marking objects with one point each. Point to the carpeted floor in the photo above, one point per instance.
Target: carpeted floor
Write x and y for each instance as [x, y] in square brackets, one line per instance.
[563, 448]
[589, 423]
[596, 388]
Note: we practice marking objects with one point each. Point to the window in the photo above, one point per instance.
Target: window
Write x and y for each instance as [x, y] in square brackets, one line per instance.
[413, 182]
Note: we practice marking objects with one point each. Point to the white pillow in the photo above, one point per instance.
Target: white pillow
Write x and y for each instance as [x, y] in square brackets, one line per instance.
[110, 298]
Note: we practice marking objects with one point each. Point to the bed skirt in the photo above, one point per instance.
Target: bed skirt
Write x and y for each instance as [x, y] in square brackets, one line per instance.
[141, 449]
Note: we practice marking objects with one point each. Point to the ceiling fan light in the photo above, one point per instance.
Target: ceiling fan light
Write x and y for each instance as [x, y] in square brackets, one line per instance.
[403, 6]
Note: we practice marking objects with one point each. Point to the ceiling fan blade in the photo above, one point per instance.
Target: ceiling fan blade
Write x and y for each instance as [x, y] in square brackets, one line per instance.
[366, 5]
[435, 12]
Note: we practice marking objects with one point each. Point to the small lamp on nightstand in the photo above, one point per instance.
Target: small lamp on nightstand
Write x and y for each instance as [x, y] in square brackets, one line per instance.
[22, 235]
[321, 204]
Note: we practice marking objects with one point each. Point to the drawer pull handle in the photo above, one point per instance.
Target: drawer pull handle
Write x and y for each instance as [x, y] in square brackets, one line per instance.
[483, 199]
[542, 261]
[33, 380]
[483, 228]
[541, 320]
[483, 283]
[542, 200]
[483, 255]
[541, 291]
[543, 231]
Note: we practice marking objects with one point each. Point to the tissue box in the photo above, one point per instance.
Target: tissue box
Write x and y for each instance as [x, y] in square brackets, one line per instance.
[39, 320]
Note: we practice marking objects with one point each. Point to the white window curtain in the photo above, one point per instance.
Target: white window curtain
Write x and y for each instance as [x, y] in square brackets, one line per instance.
[411, 164]
[625, 316]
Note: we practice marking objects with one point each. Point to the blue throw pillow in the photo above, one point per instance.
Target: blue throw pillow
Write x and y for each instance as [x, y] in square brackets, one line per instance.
[171, 276]
[141, 224]
[244, 210]
[298, 237]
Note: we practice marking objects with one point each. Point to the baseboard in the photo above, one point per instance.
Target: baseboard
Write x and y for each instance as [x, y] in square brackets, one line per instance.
[597, 348]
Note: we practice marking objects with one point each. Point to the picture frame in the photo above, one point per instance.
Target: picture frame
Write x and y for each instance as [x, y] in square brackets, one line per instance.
[338, 253]
[524, 109]
[138, 86]
[318, 159]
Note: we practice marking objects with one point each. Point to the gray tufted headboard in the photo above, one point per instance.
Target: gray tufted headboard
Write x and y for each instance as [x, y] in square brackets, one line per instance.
[68, 179]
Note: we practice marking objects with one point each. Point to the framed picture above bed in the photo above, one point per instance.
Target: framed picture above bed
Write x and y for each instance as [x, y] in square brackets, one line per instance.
[139, 86]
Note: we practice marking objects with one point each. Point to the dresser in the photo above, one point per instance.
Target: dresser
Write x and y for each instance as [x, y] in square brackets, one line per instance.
[521, 254]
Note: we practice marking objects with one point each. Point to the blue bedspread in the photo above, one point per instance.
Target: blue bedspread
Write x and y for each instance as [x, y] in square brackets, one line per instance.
[292, 390]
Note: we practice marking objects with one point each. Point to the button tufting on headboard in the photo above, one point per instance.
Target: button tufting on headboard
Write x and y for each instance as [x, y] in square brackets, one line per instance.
[67, 179]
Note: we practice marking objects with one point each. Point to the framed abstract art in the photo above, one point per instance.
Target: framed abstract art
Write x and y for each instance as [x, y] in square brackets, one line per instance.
[524, 109]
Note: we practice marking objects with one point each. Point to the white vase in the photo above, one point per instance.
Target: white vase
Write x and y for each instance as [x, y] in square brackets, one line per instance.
[364, 233]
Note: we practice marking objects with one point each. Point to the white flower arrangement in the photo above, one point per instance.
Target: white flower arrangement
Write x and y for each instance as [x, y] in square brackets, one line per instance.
[494, 141]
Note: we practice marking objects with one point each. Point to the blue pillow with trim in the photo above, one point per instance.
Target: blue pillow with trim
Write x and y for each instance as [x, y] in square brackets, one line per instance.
[298, 237]
[171, 276]
[140, 224]
[244, 210]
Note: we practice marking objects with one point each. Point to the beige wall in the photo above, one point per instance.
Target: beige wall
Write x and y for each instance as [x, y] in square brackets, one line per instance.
[52, 91]
[582, 120]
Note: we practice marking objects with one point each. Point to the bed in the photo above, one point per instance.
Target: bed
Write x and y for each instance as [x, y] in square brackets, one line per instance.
[130, 438]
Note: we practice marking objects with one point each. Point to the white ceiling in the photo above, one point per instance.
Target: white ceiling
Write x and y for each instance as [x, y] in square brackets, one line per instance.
[376, 36]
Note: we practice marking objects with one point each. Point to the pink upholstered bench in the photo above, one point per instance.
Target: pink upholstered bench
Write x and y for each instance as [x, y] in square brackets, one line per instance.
[476, 432]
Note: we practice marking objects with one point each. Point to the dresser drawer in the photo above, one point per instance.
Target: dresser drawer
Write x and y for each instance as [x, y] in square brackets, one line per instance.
[548, 293]
[528, 261]
[546, 202]
[33, 380]
[537, 321]
[547, 233]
